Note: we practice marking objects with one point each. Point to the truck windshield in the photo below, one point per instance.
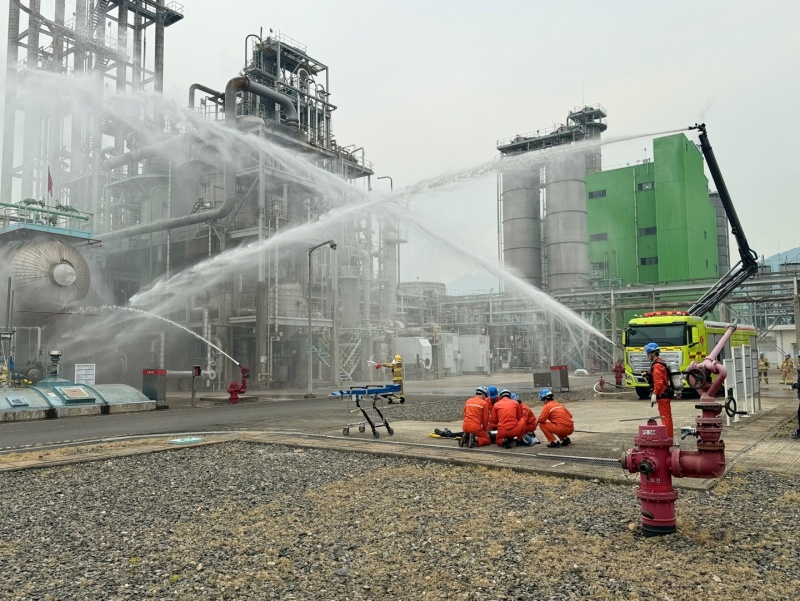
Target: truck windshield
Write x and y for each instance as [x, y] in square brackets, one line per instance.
[664, 335]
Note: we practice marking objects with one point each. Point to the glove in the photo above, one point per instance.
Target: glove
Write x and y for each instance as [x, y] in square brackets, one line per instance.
[653, 399]
[378, 366]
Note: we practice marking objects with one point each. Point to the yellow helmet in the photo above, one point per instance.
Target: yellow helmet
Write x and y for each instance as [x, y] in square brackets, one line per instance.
[398, 358]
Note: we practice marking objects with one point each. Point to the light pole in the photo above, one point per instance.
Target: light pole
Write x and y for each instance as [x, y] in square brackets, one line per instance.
[310, 393]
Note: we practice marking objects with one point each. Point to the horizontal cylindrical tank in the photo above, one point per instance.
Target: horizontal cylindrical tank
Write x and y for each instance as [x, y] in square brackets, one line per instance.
[522, 231]
[566, 238]
[48, 275]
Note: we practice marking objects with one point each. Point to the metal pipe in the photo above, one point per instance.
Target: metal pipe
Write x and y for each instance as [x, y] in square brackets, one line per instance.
[76, 215]
[219, 96]
[243, 84]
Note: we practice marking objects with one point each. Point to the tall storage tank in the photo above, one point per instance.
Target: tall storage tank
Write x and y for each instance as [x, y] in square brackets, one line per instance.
[522, 228]
[723, 242]
[566, 238]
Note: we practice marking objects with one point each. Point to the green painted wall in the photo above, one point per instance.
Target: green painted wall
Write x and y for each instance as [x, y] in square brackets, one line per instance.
[654, 224]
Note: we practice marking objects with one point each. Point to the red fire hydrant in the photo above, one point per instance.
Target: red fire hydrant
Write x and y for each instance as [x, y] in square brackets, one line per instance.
[657, 463]
[235, 389]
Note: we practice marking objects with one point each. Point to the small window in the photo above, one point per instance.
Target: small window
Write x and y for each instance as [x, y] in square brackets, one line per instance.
[645, 186]
[648, 261]
[600, 266]
[647, 231]
[706, 263]
[597, 194]
[598, 237]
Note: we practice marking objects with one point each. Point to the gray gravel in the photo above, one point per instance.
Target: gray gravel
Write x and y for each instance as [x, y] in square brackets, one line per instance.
[250, 521]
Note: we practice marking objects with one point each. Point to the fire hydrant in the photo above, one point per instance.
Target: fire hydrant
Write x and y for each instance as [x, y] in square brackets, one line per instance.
[602, 384]
[235, 389]
[657, 463]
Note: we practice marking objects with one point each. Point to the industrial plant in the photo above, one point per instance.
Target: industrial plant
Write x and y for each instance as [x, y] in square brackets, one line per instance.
[236, 228]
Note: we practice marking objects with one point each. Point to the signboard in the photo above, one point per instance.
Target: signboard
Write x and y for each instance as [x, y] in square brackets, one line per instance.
[84, 373]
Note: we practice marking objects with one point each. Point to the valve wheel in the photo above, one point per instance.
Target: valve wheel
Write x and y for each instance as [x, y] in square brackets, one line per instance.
[697, 378]
[730, 406]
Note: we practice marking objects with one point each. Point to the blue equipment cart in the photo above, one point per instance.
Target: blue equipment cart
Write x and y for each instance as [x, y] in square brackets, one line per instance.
[376, 393]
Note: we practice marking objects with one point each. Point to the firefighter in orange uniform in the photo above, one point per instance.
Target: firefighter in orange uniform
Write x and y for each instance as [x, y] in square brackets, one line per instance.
[555, 421]
[507, 414]
[531, 422]
[661, 391]
[476, 420]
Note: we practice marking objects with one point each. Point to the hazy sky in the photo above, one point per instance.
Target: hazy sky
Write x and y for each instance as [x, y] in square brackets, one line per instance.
[428, 87]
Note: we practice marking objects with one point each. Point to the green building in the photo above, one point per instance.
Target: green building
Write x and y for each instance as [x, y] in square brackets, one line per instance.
[652, 223]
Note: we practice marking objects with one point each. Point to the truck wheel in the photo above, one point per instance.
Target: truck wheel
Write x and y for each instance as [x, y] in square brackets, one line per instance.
[643, 392]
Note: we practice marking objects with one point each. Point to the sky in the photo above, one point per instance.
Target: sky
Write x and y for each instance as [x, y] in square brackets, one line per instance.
[429, 87]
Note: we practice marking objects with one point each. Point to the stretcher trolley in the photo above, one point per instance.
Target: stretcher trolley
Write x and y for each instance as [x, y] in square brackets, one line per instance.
[376, 393]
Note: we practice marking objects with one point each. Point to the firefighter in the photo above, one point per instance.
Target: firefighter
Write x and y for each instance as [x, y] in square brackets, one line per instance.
[507, 414]
[763, 368]
[396, 365]
[531, 423]
[787, 369]
[797, 361]
[555, 421]
[661, 391]
[476, 420]
[619, 369]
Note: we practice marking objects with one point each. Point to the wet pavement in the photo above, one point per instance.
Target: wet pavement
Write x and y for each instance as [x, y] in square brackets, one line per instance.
[605, 427]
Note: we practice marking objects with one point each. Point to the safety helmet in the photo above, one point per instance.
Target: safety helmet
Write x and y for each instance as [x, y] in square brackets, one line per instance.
[505, 393]
[482, 390]
[546, 393]
[492, 390]
[515, 397]
[398, 358]
[651, 347]
[788, 355]
[762, 354]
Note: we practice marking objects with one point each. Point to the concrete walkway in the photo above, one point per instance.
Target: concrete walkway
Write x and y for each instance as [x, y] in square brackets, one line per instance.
[605, 429]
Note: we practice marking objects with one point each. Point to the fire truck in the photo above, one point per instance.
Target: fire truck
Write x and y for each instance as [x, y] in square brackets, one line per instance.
[684, 336]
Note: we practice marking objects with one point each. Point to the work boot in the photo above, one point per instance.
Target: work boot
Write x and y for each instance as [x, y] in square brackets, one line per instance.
[554, 445]
[472, 441]
[507, 443]
[462, 440]
[565, 442]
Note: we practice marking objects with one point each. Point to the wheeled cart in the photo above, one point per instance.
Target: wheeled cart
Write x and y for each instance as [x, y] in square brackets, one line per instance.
[376, 394]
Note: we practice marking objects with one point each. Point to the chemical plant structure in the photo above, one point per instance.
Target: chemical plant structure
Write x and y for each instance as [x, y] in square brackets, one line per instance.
[106, 201]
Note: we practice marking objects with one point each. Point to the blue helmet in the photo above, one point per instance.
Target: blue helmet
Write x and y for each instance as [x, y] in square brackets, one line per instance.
[546, 393]
[651, 347]
[505, 392]
[515, 397]
[482, 390]
[492, 390]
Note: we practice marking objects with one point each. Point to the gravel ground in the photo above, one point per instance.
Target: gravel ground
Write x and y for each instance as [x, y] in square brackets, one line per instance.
[251, 521]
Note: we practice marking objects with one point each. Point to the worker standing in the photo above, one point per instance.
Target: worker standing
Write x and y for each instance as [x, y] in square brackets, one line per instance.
[396, 365]
[787, 369]
[661, 391]
[476, 420]
[555, 421]
[507, 414]
[763, 368]
[619, 369]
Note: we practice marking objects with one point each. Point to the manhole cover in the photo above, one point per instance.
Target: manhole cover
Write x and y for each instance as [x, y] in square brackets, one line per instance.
[188, 440]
